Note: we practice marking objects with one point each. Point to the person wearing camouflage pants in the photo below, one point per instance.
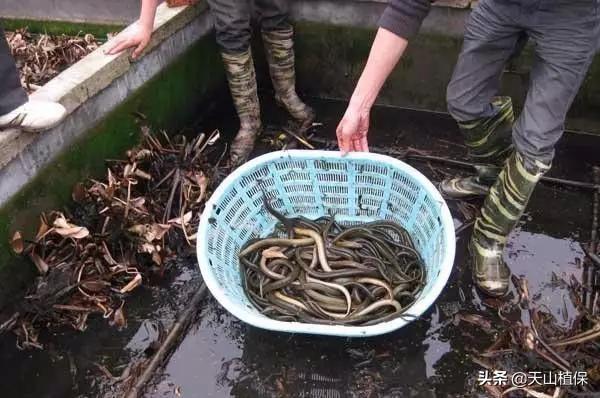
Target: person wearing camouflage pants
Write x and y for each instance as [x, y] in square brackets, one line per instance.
[233, 31]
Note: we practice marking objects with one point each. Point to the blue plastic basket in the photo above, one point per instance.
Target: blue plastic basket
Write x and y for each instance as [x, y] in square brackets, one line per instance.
[359, 187]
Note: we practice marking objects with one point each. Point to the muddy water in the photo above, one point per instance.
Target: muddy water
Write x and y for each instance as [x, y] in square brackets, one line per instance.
[222, 357]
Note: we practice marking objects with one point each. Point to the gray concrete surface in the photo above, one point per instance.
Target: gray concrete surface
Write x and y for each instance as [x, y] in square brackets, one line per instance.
[447, 19]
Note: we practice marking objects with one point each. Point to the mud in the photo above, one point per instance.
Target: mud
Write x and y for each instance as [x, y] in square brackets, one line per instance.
[222, 357]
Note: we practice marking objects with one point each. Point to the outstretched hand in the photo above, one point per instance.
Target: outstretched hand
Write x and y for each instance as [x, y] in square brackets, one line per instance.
[352, 131]
[137, 36]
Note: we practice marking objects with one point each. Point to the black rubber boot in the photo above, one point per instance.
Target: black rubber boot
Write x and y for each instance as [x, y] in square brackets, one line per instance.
[241, 77]
[501, 212]
[489, 140]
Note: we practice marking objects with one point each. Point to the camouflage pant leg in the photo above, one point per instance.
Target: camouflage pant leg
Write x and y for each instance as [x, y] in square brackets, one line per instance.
[12, 94]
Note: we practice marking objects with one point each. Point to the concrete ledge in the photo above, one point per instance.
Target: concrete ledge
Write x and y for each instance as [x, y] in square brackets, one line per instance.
[93, 87]
[446, 18]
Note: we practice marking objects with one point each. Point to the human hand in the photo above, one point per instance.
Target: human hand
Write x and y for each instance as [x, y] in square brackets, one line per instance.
[352, 130]
[137, 36]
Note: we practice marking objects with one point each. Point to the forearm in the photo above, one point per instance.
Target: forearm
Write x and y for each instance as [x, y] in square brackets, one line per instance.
[147, 13]
[385, 53]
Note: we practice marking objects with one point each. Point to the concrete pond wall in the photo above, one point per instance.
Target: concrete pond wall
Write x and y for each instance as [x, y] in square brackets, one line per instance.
[180, 77]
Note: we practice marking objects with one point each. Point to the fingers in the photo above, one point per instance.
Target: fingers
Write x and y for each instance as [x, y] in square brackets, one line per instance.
[360, 144]
[138, 50]
[119, 46]
[364, 144]
[343, 139]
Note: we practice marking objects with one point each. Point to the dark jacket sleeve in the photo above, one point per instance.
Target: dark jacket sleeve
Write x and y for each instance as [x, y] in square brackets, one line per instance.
[404, 17]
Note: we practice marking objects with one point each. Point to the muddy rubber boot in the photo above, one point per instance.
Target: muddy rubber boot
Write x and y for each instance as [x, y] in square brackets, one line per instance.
[279, 48]
[489, 140]
[501, 211]
[241, 77]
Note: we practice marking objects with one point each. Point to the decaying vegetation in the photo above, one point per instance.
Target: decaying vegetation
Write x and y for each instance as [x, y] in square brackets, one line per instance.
[40, 57]
[119, 232]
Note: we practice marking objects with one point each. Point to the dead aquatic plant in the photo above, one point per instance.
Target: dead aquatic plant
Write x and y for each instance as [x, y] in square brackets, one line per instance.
[530, 338]
[41, 57]
[117, 234]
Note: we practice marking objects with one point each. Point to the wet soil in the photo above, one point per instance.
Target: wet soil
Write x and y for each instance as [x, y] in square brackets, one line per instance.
[222, 357]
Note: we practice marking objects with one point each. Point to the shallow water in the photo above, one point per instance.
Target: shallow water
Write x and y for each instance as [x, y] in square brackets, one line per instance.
[222, 357]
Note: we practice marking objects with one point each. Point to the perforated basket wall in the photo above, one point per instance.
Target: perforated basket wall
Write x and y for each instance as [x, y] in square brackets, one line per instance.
[359, 187]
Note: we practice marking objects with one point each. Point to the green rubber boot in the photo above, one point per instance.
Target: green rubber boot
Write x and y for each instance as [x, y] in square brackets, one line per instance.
[279, 46]
[501, 211]
[241, 77]
[489, 140]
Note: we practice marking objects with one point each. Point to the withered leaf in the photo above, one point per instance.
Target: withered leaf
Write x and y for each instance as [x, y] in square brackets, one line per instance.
[202, 182]
[128, 170]
[135, 282]
[141, 154]
[39, 263]
[43, 229]
[142, 174]
[474, 319]
[16, 243]
[138, 203]
[79, 193]
[119, 319]
[95, 286]
[62, 227]
[214, 137]
[150, 233]
[187, 217]
[147, 248]
[157, 258]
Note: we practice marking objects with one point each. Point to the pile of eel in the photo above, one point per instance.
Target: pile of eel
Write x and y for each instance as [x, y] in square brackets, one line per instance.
[318, 271]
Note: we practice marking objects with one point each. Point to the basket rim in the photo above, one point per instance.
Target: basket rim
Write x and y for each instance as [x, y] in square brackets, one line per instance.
[239, 311]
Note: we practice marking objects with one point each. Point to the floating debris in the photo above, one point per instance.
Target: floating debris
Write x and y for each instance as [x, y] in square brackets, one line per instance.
[41, 57]
[118, 233]
[323, 272]
[530, 338]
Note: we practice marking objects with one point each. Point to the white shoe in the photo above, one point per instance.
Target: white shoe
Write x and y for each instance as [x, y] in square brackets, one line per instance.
[34, 116]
